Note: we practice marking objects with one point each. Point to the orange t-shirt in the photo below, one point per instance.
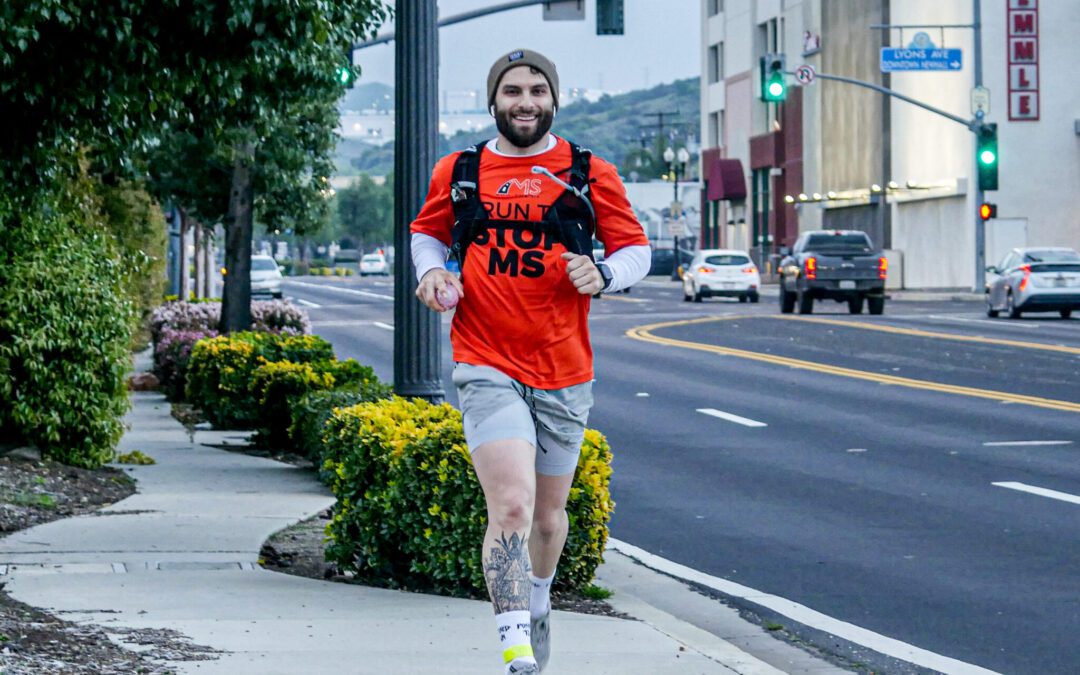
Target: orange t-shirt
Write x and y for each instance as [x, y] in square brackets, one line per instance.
[521, 313]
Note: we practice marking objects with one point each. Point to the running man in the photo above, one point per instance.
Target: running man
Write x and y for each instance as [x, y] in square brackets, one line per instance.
[519, 212]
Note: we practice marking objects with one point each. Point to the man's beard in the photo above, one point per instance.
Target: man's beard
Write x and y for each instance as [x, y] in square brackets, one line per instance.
[505, 124]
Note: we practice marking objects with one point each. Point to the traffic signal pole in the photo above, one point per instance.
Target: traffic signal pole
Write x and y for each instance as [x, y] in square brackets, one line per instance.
[980, 195]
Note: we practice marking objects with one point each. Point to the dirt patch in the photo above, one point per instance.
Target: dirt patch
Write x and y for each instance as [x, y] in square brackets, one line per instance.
[32, 641]
[298, 550]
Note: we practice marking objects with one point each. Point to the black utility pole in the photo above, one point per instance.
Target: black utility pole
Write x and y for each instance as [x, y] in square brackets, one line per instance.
[417, 341]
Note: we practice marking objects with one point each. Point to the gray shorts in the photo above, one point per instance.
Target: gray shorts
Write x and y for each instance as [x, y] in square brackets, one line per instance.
[497, 407]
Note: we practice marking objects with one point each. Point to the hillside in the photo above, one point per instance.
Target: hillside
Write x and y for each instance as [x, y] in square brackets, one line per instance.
[611, 127]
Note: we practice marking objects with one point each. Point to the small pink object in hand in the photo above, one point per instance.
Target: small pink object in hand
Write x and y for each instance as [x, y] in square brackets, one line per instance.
[448, 297]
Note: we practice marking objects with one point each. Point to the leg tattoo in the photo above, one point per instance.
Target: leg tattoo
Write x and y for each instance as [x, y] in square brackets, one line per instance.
[506, 570]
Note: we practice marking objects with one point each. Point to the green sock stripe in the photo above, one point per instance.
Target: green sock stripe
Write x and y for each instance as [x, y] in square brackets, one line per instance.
[517, 651]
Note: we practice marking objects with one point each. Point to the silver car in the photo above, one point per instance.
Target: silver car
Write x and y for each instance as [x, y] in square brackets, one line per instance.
[1034, 280]
[265, 276]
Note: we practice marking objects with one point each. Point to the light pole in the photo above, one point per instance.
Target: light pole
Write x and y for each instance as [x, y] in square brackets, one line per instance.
[677, 165]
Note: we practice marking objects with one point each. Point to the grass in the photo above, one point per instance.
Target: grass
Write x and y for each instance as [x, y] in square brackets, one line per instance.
[45, 501]
[597, 592]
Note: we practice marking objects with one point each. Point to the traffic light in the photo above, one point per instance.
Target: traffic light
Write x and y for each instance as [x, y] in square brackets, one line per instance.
[773, 86]
[987, 211]
[986, 157]
[345, 74]
[609, 17]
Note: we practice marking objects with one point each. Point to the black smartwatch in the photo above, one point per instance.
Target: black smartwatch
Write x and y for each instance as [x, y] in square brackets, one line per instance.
[605, 274]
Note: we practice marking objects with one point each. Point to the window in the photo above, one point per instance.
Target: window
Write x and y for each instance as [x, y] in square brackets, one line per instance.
[260, 264]
[840, 243]
[716, 63]
[727, 259]
[715, 7]
[716, 129]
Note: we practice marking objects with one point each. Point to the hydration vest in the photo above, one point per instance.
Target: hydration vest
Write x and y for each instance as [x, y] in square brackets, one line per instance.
[570, 220]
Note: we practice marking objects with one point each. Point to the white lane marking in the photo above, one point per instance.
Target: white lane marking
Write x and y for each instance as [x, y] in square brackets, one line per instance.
[856, 450]
[1042, 492]
[338, 289]
[1003, 443]
[804, 615]
[731, 418]
[643, 394]
[384, 326]
[996, 322]
[307, 303]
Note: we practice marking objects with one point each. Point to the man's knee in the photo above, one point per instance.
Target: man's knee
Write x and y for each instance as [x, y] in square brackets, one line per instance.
[548, 522]
[510, 508]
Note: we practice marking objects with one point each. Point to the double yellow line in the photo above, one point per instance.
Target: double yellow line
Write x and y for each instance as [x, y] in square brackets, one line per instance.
[646, 334]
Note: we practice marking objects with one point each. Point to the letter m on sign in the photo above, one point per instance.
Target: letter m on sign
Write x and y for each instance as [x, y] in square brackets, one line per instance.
[1023, 50]
[1023, 23]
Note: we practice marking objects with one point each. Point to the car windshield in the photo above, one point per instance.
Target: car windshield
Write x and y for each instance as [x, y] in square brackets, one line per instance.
[727, 259]
[372, 257]
[1052, 256]
[840, 243]
[263, 265]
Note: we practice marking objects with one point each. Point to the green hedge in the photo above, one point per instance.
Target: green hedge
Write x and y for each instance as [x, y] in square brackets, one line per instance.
[65, 327]
[221, 371]
[310, 412]
[410, 512]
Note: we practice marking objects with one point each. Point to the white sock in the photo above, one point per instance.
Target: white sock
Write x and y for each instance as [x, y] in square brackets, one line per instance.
[540, 598]
[514, 638]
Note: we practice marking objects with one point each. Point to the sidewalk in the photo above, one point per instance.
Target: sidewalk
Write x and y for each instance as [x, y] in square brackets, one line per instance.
[182, 554]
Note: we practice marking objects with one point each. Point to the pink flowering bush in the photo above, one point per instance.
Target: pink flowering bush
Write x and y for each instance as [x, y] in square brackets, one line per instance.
[172, 352]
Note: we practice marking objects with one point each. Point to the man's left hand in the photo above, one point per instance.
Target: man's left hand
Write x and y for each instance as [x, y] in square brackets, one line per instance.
[583, 274]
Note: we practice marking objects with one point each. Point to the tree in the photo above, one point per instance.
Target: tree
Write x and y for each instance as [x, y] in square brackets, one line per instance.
[365, 210]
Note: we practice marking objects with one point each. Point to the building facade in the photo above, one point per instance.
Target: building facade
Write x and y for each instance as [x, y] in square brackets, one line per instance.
[834, 154]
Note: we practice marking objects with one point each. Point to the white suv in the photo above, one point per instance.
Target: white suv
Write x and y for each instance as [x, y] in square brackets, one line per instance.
[721, 272]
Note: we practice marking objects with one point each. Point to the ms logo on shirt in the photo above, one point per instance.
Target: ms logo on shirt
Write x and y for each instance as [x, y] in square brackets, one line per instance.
[530, 187]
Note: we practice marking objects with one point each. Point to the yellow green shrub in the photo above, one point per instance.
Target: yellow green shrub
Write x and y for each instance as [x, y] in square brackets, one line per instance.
[410, 512]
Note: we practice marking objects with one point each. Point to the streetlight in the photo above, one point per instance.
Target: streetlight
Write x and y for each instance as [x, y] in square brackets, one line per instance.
[677, 165]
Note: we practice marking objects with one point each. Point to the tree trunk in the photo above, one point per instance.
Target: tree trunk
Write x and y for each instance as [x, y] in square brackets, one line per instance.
[236, 296]
[208, 266]
[185, 289]
[198, 260]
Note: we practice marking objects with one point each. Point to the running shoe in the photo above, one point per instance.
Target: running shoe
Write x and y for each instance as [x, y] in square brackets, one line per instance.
[540, 636]
[523, 669]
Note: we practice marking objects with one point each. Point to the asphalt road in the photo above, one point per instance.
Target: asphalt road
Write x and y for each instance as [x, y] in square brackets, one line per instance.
[915, 474]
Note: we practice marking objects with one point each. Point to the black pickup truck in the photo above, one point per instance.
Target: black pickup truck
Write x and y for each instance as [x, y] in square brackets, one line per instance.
[840, 265]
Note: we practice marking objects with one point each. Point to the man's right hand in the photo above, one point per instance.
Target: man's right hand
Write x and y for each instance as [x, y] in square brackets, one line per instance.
[434, 281]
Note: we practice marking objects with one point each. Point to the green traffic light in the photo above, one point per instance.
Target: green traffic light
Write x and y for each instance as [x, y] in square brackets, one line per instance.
[987, 157]
[776, 89]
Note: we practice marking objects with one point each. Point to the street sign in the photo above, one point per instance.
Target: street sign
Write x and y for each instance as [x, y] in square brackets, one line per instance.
[676, 228]
[804, 74]
[896, 59]
[980, 102]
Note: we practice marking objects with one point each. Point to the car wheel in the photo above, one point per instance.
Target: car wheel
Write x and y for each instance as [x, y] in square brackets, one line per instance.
[625, 290]
[876, 304]
[754, 297]
[805, 302]
[855, 305]
[991, 312]
[1065, 313]
[787, 300]
[277, 296]
[742, 298]
[687, 292]
[1010, 307]
[698, 296]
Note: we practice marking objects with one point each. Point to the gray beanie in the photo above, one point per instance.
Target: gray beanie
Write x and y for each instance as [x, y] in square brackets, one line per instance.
[522, 57]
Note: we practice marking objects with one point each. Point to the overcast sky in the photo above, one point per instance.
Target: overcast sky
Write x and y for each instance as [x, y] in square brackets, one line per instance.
[661, 44]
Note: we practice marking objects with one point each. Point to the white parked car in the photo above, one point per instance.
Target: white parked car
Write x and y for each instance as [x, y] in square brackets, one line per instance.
[374, 263]
[265, 276]
[1034, 280]
[723, 273]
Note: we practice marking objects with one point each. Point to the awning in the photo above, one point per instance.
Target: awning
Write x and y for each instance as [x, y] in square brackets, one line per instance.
[725, 177]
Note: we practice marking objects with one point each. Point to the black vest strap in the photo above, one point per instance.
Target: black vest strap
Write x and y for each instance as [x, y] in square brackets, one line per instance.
[571, 218]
